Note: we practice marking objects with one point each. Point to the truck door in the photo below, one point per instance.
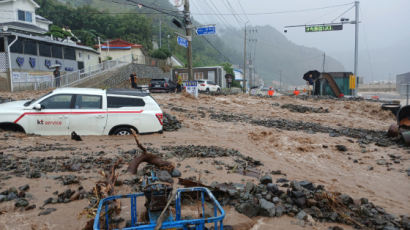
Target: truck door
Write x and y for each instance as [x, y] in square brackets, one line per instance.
[88, 116]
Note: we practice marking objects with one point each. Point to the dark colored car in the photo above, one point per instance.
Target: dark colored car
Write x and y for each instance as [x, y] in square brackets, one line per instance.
[162, 85]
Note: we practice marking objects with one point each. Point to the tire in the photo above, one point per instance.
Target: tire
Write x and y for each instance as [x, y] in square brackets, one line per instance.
[218, 90]
[122, 131]
[207, 90]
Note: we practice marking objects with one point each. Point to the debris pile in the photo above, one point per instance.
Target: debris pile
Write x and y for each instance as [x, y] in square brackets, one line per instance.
[303, 109]
[305, 201]
[365, 136]
[190, 151]
[170, 123]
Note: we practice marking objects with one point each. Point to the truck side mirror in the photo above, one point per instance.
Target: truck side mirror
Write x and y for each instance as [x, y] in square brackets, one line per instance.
[37, 107]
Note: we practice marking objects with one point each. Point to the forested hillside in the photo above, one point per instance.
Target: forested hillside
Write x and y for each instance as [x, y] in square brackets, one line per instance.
[274, 54]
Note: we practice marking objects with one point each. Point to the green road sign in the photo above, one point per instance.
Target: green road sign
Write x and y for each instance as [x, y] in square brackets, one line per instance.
[323, 28]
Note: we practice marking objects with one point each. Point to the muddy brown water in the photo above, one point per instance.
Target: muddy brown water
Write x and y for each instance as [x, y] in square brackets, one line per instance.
[299, 155]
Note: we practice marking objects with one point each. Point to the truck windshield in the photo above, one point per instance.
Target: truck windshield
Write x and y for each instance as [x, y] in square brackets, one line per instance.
[34, 100]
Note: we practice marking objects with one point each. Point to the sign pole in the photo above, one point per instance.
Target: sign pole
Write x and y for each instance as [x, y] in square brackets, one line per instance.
[188, 29]
[356, 44]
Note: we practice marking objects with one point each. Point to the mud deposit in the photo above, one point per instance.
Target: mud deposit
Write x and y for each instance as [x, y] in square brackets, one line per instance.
[316, 164]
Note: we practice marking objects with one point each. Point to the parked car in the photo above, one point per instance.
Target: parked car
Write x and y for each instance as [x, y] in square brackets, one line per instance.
[208, 86]
[85, 111]
[162, 85]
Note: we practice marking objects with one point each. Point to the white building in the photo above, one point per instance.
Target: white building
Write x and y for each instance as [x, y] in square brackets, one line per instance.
[26, 54]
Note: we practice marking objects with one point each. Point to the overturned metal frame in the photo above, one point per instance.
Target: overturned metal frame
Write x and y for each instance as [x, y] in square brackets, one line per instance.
[199, 224]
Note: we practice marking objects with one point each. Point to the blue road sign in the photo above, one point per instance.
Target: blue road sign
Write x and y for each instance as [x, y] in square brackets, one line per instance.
[182, 42]
[206, 30]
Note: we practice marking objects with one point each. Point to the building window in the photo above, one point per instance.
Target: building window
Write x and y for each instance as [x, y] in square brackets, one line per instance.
[69, 53]
[45, 49]
[17, 47]
[199, 75]
[25, 16]
[79, 54]
[57, 51]
[2, 48]
[29, 16]
[30, 47]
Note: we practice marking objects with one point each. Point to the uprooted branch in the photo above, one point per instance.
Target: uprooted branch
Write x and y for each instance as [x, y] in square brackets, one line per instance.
[148, 158]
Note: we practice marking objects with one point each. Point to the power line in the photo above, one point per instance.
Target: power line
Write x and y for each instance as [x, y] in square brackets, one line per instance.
[343, 13]
[209, 42]
[281, 12]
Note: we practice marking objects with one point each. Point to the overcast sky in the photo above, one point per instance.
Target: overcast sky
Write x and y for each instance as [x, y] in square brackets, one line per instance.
[385, 23]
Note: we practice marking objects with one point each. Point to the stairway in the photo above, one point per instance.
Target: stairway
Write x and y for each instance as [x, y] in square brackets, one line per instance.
[117, 77]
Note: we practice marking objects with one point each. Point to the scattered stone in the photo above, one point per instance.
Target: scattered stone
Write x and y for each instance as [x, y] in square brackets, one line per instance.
[266, 208]
[21, 202]
[47, 211]
[301, 215]
[175, 173]
[276, 172]
[266, 179]
[24, 187]
[381, 162]
[165, 176]
[303, 109]
[341, 148]
[170, 123]
[33, 206]
[249, 209]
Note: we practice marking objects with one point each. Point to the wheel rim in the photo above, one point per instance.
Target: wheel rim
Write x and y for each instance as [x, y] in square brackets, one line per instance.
[123, 133]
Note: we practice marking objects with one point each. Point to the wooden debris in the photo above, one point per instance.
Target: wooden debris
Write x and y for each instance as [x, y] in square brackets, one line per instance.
[148, 158]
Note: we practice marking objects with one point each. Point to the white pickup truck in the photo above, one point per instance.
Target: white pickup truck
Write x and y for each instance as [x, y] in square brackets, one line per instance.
[85, 111]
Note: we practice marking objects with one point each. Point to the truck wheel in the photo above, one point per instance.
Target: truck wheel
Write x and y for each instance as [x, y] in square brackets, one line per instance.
[207, 90]
[122, 131]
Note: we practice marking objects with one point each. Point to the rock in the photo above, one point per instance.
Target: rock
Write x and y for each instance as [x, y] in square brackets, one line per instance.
[249, 187]
[390, 228]
[21, 203]
[175, 173]
[279, 210]
[47, 211]
[341, 148]
[301, 215]
[364, 201]
[396, 161]
[273, 188]
[335, 228]
[165, 176]
[34, 174]
[346, 199]
[3, 198]
[12, 196]
[276, 172]
[296, 186]
[276, 200]
[381, 162]
[248, 208]
[69, 179]
[266, 208]
[266, 179]
[33, 206]
[24, 187]
[307, 185]
[282, 180]
[370, 168]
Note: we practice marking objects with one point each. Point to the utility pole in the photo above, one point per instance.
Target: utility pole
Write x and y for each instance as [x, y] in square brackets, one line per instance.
[324, 61]
[188, 28]
[356, 44]
[244, 62]
[280, 81]
[160, 35]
